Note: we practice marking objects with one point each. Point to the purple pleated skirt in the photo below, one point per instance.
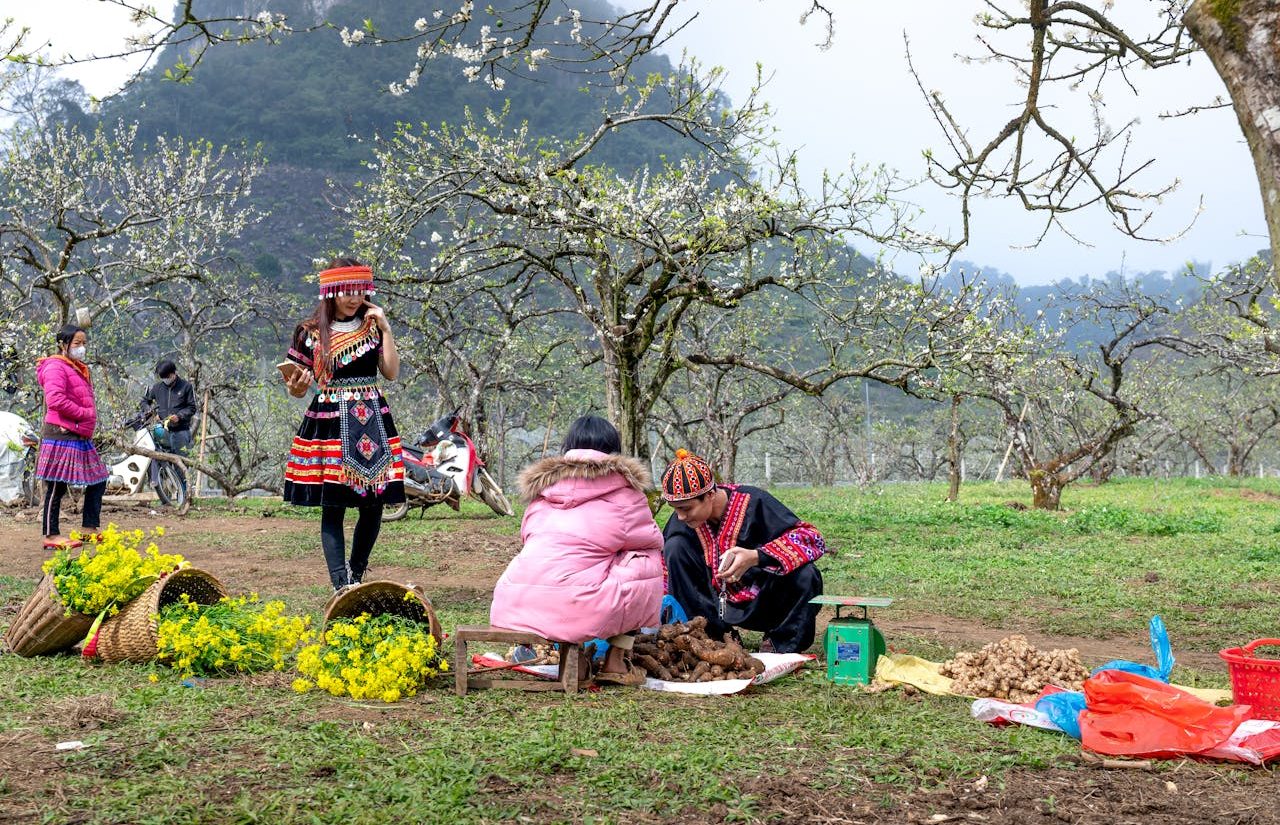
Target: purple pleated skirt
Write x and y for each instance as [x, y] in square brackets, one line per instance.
[70, 460]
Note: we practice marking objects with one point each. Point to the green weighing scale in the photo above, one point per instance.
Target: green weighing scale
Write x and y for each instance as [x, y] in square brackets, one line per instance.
[853, 643]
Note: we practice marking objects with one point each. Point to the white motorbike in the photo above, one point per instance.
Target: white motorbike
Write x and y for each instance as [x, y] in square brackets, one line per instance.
[131, 473]
[442, 468]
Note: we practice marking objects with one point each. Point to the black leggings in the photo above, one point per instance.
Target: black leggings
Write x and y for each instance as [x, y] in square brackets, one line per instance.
[90, 518]
[362, 541]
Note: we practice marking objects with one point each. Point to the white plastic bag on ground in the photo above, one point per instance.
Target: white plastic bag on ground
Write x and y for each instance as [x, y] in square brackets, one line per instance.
[997, 712]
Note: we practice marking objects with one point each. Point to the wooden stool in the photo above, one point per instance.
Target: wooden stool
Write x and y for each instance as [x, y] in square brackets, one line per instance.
[569, 680]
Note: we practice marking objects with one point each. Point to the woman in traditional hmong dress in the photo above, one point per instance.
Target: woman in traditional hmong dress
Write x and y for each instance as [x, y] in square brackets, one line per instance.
[347, 452]
[67, 454]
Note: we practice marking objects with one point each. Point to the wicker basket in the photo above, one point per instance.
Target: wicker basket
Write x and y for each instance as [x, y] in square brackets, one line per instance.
[43, 626]
[377, 598]
[130, 635]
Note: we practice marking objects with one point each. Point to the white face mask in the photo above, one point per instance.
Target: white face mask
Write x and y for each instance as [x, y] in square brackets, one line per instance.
[77, 353]
[168, 382]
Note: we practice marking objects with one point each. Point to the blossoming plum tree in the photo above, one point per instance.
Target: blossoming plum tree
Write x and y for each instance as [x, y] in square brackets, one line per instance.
[95, 223]
[629, 256]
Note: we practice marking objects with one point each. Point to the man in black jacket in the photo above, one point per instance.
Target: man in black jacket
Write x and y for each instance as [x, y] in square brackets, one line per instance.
[174, 400]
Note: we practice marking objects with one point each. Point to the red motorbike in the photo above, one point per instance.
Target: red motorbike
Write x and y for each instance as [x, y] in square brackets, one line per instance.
[442, 467]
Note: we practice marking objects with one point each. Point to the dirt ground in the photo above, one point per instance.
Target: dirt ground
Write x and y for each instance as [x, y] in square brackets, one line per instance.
[955, 632]
[1183, 793]
[469, 559]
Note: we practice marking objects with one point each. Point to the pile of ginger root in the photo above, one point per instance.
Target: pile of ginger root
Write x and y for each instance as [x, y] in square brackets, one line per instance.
[1014, 670]
[683, 652]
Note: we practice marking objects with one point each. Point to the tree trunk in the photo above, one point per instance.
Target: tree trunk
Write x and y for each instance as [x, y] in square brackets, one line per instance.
[728, 458]
[953, 450]
[1242, 38]
[1236, 460]
[1203, 454]
[480, 428]
[1046, 490]
[622, 394]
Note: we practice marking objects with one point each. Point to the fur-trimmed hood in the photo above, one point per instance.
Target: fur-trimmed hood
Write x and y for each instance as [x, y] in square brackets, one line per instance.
[583, 465]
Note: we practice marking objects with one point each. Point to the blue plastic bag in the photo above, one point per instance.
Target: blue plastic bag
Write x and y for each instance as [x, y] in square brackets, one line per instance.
[1064, 709]
[671, 611]
[1159, 645]
[602, 647]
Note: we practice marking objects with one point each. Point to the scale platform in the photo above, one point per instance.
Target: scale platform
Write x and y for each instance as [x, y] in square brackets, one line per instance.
[852, 643]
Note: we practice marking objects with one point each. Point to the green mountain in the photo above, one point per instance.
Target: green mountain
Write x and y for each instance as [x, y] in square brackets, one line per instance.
[314, 106]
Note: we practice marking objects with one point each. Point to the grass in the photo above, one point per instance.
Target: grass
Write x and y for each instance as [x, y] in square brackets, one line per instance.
[250, 750]
[1201, 554]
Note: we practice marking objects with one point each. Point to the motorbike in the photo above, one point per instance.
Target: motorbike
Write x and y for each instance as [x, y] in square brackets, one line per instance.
[442, 467]
[131, 473]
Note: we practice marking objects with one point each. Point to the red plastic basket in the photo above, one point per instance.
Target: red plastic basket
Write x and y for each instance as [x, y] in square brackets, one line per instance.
[1255, 681]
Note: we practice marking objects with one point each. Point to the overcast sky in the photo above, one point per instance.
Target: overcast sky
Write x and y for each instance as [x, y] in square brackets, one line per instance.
[857, 99]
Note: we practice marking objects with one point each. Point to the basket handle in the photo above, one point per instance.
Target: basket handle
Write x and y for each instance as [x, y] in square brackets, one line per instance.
[1248, 649]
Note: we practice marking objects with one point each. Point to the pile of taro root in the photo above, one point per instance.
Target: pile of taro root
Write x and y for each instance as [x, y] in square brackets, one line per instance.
[683, 653]
[1014, 670]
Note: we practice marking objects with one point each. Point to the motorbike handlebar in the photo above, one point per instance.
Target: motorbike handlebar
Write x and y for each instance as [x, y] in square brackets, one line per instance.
[139, 419]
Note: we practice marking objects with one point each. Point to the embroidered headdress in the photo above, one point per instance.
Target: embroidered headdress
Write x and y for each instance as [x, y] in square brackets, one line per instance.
[346, 280]
[687, 477]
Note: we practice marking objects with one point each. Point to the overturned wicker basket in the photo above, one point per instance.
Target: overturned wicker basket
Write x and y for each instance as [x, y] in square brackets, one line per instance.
[130, 635]
[376, 598]
[43, 626]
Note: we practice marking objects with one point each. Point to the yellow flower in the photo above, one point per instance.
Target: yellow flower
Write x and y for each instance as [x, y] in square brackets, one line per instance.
[111, 575]
[377, 657]
[234, 635]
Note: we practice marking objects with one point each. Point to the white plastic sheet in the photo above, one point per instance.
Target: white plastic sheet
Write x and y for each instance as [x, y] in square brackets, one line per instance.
[12, 429]
[776, 665]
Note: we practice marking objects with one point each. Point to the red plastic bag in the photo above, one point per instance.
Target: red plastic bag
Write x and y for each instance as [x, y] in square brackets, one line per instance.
[1131, 715]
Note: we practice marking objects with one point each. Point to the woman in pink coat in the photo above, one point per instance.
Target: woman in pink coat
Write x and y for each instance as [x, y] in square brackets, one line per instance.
[67, 454]
[591, 566]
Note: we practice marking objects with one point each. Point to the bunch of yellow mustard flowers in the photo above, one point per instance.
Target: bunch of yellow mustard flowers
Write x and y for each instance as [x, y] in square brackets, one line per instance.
[371, 657]
[235, 635]
[109, 571]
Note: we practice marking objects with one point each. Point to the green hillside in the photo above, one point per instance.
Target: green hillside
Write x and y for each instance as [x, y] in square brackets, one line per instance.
[313, 103]
[314, 107]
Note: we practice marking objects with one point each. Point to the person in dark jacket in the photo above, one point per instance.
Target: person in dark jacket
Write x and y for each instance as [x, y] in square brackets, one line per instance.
[174, 400]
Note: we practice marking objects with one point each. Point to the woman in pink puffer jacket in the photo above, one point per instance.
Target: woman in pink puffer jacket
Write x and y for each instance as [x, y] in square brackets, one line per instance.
[67, 454]
[591, 565]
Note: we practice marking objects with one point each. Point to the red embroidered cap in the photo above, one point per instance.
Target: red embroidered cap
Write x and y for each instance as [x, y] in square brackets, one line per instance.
[346, 280]
[688, 477]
